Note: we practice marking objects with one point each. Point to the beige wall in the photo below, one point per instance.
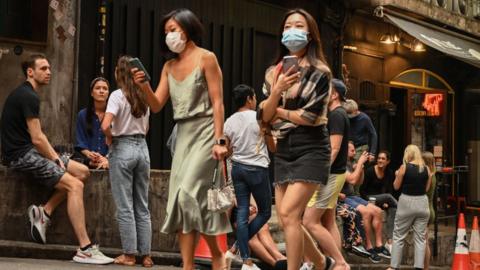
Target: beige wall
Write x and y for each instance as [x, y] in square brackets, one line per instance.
[56, 99]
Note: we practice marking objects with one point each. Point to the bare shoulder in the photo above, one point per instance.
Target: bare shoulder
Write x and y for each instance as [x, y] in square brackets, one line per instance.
[208, 58]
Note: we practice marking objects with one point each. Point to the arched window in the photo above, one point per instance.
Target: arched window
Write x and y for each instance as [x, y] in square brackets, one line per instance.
[422, 79]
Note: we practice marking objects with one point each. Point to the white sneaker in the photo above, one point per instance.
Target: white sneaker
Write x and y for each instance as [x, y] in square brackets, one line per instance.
[38, 223]
[388, 246]
[233, 257]
[307, 266]
[91, 256]
[249, 267]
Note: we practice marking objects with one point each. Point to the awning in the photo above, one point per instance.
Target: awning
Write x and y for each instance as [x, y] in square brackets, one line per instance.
[457, 47]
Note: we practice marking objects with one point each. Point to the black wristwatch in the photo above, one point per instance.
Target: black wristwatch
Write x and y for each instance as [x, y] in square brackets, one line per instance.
[221, 141]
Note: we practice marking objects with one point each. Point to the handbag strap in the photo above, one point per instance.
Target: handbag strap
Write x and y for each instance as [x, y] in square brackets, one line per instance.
[225, 173]
[215, 171]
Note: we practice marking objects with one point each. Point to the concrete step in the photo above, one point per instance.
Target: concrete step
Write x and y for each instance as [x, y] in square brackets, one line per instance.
[446, 245]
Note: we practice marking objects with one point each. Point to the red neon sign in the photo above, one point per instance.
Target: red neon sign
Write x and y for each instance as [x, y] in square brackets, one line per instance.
[432, 104]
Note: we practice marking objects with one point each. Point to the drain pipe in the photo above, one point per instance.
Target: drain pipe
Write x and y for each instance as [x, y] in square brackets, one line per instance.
[76, 49]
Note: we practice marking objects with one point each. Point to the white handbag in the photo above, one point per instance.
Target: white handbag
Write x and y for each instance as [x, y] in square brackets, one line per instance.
[221, 197]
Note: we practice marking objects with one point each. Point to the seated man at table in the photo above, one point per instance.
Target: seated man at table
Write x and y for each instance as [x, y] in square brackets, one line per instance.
[371, 214]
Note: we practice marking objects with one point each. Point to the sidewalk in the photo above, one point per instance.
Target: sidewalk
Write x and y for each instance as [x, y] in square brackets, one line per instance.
[37, 264]
[26, 255]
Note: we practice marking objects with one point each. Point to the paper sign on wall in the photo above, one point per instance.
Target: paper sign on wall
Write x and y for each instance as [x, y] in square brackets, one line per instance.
[438, 151]
[71, 30]
[54, 4]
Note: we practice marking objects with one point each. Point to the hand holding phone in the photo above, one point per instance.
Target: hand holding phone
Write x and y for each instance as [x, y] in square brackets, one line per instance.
[288, 62]
[135, 62]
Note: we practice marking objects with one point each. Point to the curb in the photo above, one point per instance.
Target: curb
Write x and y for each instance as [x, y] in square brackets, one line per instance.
[31, 250]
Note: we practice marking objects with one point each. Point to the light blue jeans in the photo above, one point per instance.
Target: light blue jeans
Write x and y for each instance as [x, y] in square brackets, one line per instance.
[129, 179]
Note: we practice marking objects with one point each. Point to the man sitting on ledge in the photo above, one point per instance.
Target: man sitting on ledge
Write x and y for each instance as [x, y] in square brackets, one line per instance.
[25, 148]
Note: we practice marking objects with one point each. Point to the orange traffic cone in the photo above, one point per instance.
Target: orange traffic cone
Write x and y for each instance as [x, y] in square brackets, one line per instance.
[461, 259]
[203, 251]
[475, 246]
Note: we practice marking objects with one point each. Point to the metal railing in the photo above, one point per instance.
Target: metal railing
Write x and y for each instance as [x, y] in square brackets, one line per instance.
[468, 8]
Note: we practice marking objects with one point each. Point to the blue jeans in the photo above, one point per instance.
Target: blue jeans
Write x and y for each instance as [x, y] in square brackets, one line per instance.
[250, 180]
[129, 179]
[355, 201]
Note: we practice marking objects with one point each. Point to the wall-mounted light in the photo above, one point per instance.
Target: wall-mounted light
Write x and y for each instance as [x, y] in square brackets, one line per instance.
[417, 46]
[387, 39]
[414, 46]
[396, 38]
[350, 47]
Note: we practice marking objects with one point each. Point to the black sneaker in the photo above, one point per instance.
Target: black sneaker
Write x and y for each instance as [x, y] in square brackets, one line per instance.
[361, 251]
[374, 256]
[383, 252]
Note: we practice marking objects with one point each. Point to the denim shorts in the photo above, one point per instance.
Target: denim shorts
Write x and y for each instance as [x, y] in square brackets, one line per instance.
[355, 201]
[43, 170]
[303, 156]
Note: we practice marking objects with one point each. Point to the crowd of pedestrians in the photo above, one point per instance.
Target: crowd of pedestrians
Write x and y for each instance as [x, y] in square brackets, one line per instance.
[325, 158]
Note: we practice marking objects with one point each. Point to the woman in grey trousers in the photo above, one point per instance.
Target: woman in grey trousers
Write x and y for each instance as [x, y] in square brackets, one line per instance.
[413, 179]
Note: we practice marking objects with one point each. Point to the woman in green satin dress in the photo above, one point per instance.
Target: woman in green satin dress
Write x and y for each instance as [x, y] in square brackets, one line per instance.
[193, 80]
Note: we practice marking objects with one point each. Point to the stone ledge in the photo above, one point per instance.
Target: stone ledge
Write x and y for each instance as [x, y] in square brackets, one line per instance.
[18, 192]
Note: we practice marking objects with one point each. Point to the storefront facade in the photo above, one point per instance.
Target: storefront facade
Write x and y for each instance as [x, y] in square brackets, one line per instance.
[412, 82]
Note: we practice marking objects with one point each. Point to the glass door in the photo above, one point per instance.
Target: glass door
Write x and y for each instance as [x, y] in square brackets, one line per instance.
[428, 121]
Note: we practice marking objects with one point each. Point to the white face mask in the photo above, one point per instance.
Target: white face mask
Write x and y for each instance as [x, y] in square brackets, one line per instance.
[174, 42]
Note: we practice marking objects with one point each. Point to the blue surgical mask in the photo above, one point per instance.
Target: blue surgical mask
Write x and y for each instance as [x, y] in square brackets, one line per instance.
[295, 39]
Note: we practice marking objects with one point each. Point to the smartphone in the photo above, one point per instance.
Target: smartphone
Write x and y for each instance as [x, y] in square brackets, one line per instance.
[135, 62]
[288, 62]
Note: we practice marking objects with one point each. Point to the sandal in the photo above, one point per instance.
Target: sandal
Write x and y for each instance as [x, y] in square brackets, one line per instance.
[125, 259]
[147, 261]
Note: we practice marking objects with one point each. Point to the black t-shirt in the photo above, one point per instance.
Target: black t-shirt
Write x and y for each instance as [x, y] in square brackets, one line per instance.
[338, 124]
[372, 185]
[21, 104]
[414, 182]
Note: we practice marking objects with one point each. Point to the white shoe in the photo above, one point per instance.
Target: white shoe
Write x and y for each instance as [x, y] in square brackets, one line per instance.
[233, 257]
[38, 223]
[388, 247]
[92, 256]
[307, 266]
[249, 267]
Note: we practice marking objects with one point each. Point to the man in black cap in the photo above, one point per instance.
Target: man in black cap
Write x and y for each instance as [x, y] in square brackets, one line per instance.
[319, 217]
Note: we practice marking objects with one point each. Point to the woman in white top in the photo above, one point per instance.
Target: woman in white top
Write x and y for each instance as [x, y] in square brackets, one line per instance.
[125, 125]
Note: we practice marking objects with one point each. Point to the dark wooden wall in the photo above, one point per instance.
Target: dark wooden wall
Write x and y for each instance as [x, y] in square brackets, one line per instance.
[242, 33]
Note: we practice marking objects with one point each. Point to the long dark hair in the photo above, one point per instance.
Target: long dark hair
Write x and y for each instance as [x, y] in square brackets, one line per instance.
[240, 94]
[386, 153]
[91, 104]
[314, 48]
[190, 24]
[135, 96]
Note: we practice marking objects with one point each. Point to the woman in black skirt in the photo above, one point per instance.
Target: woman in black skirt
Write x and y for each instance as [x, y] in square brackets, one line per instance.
[296, 109]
